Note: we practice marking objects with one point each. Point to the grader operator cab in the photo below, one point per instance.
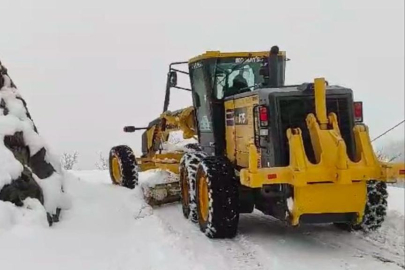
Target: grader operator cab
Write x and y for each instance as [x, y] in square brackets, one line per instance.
[299, 153]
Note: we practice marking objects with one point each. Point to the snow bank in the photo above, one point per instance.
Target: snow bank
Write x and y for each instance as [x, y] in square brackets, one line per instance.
[54, 197]
[108, 227]
[27, 169]
[396, 200]
[155, 177]
[93, 176]
[31, 214]
[391, 236]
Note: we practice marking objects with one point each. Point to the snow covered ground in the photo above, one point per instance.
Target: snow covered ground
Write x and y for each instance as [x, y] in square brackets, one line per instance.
[110, 227]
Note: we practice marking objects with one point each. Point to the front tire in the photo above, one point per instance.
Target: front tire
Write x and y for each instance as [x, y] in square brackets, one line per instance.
[123, 166]
[188, 170]
[217, 198]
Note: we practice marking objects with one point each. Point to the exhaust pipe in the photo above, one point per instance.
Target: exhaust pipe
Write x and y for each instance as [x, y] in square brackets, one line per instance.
[273, 69]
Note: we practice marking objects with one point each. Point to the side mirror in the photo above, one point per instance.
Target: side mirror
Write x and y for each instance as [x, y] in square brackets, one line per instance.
[129, 129]
[172, 78]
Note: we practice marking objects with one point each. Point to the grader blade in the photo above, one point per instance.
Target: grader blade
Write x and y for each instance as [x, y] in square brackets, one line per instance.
[162, 194]
[167, 188]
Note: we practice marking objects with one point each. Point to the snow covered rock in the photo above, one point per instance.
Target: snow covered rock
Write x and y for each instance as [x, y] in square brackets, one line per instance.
[27, 170]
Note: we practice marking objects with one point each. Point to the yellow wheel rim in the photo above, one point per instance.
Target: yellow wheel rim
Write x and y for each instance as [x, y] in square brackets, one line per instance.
[116, 170]
[203, 198]
[185, 188]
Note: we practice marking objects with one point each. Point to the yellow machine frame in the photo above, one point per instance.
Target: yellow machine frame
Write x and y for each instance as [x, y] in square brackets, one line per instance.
[181, 120]
[334, 172]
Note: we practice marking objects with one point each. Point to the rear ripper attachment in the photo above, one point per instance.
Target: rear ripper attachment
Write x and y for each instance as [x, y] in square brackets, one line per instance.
[318, 187]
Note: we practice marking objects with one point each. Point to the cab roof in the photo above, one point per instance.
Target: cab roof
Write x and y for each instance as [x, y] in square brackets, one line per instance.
[218, 54]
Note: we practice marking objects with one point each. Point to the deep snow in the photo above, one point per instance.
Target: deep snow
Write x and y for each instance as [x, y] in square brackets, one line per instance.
[14, 118]
[110, 227]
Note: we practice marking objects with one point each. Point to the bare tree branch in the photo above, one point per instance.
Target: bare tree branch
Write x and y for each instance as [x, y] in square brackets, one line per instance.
[68, 160]
[102, 163]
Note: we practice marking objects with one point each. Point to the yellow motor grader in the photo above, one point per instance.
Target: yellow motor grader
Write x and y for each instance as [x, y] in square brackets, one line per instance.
[300, 153]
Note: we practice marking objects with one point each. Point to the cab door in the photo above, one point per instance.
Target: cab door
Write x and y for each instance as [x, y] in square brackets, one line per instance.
[201, 99]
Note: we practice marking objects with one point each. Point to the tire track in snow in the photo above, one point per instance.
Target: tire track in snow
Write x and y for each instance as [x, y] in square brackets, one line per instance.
[264, 243]
[374, 245]
[338, 249]
[242, 252]
[237, 253]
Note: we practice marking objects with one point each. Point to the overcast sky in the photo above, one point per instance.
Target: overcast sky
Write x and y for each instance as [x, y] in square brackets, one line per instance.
[87, 67]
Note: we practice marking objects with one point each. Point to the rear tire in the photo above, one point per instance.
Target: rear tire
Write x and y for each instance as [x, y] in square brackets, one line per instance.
[188, 169]
[375, 211]
[376, 207]
[126, 174]
[218, 216]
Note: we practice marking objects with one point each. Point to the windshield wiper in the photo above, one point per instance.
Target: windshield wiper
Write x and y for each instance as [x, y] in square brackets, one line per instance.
[252, 86]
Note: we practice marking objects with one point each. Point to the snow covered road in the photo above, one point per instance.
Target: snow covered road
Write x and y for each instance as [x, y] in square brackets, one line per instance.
[110, 227]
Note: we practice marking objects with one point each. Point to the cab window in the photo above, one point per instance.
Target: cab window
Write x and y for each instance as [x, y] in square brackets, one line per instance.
[201, 100]
[235, 75]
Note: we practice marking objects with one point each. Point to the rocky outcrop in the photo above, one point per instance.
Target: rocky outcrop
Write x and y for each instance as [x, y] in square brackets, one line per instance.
[26, 166]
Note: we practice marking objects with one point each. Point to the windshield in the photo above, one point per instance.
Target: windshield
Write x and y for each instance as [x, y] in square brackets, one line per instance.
[236, 75]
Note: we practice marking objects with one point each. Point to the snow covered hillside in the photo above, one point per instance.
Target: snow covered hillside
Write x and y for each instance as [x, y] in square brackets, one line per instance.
[110, 227]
